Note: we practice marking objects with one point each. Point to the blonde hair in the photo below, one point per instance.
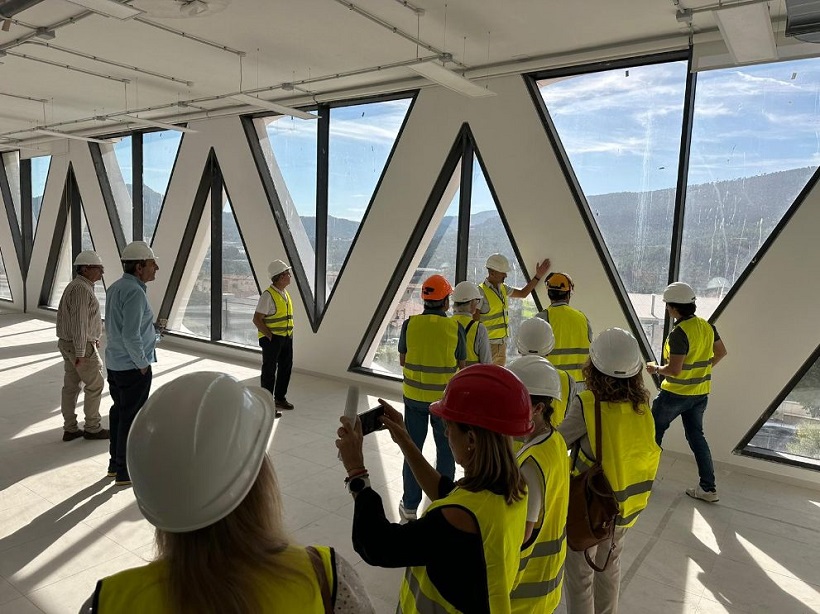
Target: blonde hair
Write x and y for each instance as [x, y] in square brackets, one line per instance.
[616, 389]
[216, 569]
[492, 465]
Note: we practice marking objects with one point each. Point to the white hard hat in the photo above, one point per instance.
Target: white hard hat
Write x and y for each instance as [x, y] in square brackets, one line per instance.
[88, 258]
[498, 262]
[538, 375]
[276, 267]
[615, 352]
[466, 291]
[535, 336]
[195, 449]
[680, 293]
[137, 250]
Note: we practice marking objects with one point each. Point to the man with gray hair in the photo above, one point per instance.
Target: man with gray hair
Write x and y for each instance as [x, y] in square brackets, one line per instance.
[78, 331]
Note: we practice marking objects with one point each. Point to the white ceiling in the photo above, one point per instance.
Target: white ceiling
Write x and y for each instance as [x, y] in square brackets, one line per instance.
[288, 42]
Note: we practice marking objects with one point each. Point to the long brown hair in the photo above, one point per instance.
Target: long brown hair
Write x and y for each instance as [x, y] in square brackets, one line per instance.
[616, 390]
[492, 465]
[216, 569]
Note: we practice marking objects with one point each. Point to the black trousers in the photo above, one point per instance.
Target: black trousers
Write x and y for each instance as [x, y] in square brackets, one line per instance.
[277, 363]
[129, 391]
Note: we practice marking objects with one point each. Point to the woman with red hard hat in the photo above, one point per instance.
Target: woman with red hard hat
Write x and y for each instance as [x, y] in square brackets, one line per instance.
[463, 554]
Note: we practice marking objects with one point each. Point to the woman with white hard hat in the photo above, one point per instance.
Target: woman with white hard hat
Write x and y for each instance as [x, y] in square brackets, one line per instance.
[614, 382]
[542, 456]
[535, 338]
[462, 555]
[202, 477]
[467, 300]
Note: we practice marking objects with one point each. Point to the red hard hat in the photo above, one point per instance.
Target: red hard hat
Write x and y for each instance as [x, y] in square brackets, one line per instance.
[487, 396]
[435, 288]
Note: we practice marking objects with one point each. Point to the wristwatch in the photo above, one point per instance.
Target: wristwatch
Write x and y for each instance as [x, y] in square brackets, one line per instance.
[358, 484]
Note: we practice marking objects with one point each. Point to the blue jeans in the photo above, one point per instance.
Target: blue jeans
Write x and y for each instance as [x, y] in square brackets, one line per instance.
[416, 415]
[668, 406]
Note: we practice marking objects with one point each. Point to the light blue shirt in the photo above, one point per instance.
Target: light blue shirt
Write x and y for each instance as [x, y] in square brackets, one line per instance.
[129, 326]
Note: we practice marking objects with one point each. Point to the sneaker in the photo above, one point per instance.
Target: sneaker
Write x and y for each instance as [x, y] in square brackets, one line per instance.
[112, 471]
[705, 495]
[406, 514]
[72, 435]
[278, 414]
[123, 479]
[101, 434]
[283, 404]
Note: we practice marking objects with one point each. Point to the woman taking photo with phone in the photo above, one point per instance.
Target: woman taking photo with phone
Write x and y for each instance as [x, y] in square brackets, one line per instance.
[463, 554]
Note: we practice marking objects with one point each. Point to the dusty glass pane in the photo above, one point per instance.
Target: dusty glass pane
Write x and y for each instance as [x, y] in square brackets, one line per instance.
[5, 288]
[11, 163]
[159, 151]
[118, 168]
[39, 174]
[64, 273]
[240, 293]
[621, 130]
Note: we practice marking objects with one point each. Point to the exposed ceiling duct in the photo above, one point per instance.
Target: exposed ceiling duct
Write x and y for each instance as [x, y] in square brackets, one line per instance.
[803, 20]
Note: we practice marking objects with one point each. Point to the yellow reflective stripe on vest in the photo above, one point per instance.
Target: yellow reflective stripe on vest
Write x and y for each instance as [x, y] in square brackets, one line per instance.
[696, 374]
[571, 329]
[501, 528]
[277, 323]
[471, 332]
[541, 569]
[631, 455]
[430, 362]
[497, 318]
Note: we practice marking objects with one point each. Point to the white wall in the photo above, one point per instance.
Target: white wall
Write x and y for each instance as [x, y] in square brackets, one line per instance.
[769, 328]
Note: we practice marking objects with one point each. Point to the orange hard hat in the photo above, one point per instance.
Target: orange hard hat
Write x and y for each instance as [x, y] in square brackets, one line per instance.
[436, 288]
[487, 396]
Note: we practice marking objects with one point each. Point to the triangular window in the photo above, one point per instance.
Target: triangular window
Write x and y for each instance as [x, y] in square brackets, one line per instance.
[5, 288]
[39, 174]
[240, 291]
[159, 153]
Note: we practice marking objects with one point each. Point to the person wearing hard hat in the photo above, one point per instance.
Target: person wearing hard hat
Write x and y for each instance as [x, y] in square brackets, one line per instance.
[495, 310]
[131, 338]
[79, 327]
[691, 350]
[542, 456]
[573, 332]
[535, 338]
[202, 478]
[273, 319]
[432, 348]
[467, 300]
[462, 555]
[614, 382]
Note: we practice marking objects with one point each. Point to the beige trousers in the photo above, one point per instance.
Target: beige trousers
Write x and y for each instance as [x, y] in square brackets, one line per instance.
[498, 351]
[90, 374]
[589, 591]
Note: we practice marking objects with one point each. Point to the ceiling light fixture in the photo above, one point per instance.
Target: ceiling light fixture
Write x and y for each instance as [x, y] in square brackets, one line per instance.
[45, 34]
[434, 71]
[109, 8]
[253, 101]
[154, 123]
[747, 32]
[75, 137]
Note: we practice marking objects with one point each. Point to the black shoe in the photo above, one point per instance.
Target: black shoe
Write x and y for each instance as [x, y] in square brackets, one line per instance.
[72, 435]
[283, 404]
[101, 434]
[278, 414]
[123, 479]
[112, 471]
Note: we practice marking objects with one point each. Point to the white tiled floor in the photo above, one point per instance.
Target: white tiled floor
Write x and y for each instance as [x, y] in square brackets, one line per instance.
[63, 526]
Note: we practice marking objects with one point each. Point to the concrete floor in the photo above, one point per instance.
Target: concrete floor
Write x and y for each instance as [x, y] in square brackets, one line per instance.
[63, 525]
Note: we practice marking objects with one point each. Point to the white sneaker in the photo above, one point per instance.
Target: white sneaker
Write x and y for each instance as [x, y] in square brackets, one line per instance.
[698, 493]
[406, 514]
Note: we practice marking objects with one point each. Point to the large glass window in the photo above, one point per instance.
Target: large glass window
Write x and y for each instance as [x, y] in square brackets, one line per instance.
[240, 293]
[118, 162]
[5, 288]
[191, 313]
[792, 431]
[39, 175]
[754, 147]
[11, 164]
[159, 151]
[361, 139]
[621, 130]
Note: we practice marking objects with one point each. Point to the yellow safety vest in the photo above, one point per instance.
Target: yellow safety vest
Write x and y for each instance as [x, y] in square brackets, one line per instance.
[631, 455]
[501, 527]
[278, 323]
[470, 327]
[430, 361]
[497, 317]
[559, 408]
[144, 590]
[696, 376]
[571, 330]
[541, 572]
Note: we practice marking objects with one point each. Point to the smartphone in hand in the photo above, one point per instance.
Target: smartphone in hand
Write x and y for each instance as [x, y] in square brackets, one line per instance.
[370, 420]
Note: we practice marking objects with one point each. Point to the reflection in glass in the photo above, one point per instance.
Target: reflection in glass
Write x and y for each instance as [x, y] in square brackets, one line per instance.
[439, 258]
[489, 236]
[39, 174]
[361, 138]
[754, 148]
[191, 314]
[159, 151]
[793, 429]
[240, 293]
[120, 178]
[621, 131]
